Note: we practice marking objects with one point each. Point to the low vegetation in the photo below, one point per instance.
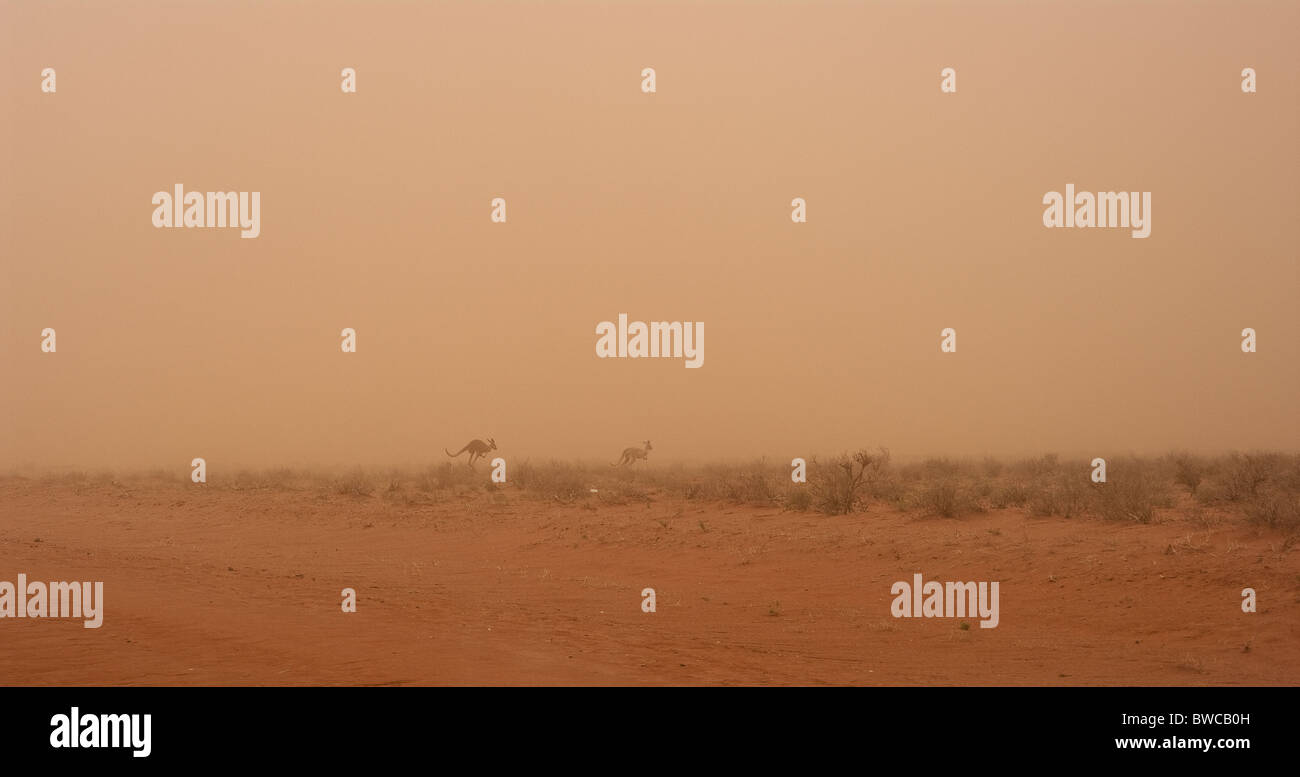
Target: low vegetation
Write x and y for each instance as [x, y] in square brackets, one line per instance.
[1262, 488]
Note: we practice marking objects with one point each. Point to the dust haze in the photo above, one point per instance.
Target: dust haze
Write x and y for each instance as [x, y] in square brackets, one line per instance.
[923, 213]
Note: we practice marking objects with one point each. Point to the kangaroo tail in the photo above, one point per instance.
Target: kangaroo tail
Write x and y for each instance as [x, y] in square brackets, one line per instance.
[457, 453]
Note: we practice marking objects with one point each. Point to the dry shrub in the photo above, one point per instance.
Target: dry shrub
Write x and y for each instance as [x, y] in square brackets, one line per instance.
[886, 488]
[447, 476]
[942, 497]
[552, 481]
[1063, 495]
[1014, 494]
[1276, 511]
[838, 484]
[1244, 475]
[354, 483]
[800, 499]
[751, 488]
[1044, 468]
[1130, 496]
[1189, 471]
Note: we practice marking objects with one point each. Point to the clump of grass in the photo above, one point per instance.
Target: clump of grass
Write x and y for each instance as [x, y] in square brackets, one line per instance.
[624, 493]
[1009, 495]
[798, 499]
[552, 481]
[354, 483]
[446, 476]
[756, 483]
[276, 478]
[751, 487]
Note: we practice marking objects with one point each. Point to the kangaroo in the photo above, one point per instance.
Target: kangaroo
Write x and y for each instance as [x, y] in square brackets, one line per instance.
[631, 455]
[477, 449]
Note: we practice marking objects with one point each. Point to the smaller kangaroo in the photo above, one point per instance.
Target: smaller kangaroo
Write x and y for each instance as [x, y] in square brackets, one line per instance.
[631, 455]
[477, 449]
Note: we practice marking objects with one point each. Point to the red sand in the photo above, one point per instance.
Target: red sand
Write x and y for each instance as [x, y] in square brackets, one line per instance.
[210, 586]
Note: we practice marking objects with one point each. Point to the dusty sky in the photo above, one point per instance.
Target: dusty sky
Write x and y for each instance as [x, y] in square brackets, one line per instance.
[924, 212]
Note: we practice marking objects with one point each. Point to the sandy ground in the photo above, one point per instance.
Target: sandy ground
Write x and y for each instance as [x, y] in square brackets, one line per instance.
[217, 587]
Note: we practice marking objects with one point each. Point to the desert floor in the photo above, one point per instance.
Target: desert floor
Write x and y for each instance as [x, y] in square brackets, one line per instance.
[215, 587]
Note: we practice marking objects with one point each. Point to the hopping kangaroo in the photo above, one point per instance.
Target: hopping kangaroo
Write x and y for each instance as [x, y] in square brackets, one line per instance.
[477, 449]
[631, 455]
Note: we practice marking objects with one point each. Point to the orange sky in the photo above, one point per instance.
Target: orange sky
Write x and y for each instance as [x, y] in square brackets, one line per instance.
[924, 212]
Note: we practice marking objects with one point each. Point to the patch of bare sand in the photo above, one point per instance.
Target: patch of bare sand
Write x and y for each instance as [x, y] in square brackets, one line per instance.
[217, 587]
